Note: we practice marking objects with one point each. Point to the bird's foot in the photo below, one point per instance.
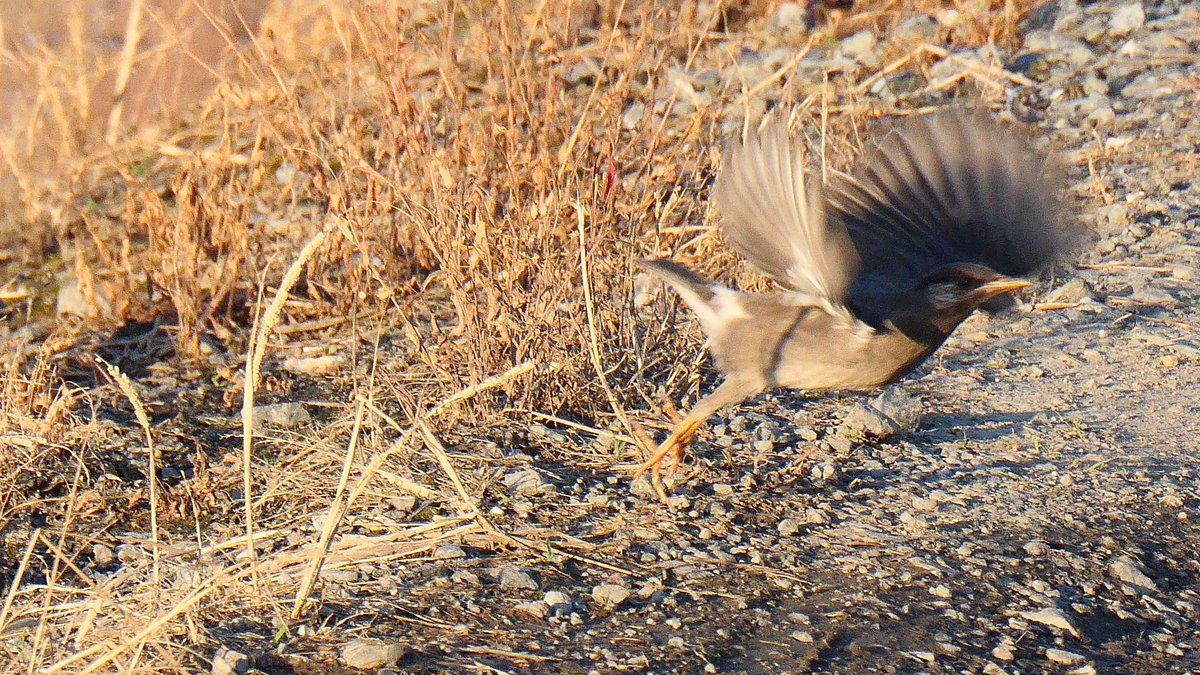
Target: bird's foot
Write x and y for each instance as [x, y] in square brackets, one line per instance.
[671, 451]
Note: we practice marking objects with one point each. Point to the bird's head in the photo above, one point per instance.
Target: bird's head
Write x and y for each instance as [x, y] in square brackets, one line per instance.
[954, 291]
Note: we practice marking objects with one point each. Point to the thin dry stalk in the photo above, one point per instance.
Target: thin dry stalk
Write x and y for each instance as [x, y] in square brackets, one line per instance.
[594, 333]
[129, 49]
[337, 509]
[139, 411]
[17, 579]
[258, 349]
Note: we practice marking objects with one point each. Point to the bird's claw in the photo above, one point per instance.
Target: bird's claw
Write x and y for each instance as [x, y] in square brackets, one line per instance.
[671, 451]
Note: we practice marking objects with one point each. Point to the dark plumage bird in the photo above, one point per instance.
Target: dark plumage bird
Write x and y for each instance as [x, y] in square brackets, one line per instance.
[877, 268]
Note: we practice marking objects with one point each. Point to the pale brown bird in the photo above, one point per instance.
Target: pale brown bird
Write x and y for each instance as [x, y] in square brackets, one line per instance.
[877, 268]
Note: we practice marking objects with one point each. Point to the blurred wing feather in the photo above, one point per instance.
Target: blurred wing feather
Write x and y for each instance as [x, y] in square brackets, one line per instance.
[776, 222]
[953, 187]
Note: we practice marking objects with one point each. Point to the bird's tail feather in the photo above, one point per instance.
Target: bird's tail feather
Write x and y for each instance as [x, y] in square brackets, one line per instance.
[681, 278]
[699, 293]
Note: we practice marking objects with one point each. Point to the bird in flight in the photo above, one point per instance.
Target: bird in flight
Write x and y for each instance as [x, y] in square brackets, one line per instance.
[949, 214]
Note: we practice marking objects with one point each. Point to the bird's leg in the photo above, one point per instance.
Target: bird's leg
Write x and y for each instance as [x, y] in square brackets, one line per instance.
[731, 391]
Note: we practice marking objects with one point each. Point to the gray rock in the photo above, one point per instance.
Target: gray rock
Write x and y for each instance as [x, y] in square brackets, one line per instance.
[791, 18]
[825, 471]
[556, 598]
[526, 483]
[803, 636]
[1126, 19]
[1063, 657]
[865, 421]
[1145, 294]
[816, 517]
[465, 578]
[1074, 291]
[1035, 548]
[891, 412]
[227, 662]
[858, 45]
[367, 654]
[449, 552]
[1053, 617]
[948, 648]
[1072, 51]
[899, 406]
[584, 72]
[610, 595]
[102, 556]
[71, 300]
[1124, 569]
[286, 415]
[917, 27]
[722, 489]
[688, 98]
[948, 68]
[315, 365]
[632, 117]
[642, 487]
[515, 578]
[339, 576]
[1102, 113]
[533, 608]
[788, 526]
[1115, 215]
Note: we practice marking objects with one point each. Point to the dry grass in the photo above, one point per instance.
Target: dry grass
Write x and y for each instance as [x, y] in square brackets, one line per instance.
[468, 162]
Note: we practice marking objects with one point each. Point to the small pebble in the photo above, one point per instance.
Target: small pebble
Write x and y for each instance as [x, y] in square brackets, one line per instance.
[556, 598]
[610, 595]
[537, 610]
[1053, 617]
[1063, 657]
[515, 578]
[227, 662]
[368, 654]
[285, 415]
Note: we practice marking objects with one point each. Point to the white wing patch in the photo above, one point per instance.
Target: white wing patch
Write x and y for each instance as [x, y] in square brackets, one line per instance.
[728, 304]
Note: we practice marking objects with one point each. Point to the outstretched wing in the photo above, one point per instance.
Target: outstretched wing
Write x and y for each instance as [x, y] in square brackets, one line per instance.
[776, 222]
[953, 187]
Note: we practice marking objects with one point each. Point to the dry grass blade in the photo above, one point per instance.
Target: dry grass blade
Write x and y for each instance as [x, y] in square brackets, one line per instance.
[129, 50]
[17, 580]
[594, 333]
[258, 349]
[332, 519]
[139, 411]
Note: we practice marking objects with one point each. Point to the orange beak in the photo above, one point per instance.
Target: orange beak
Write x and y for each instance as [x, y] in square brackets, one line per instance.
[1005, 285]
